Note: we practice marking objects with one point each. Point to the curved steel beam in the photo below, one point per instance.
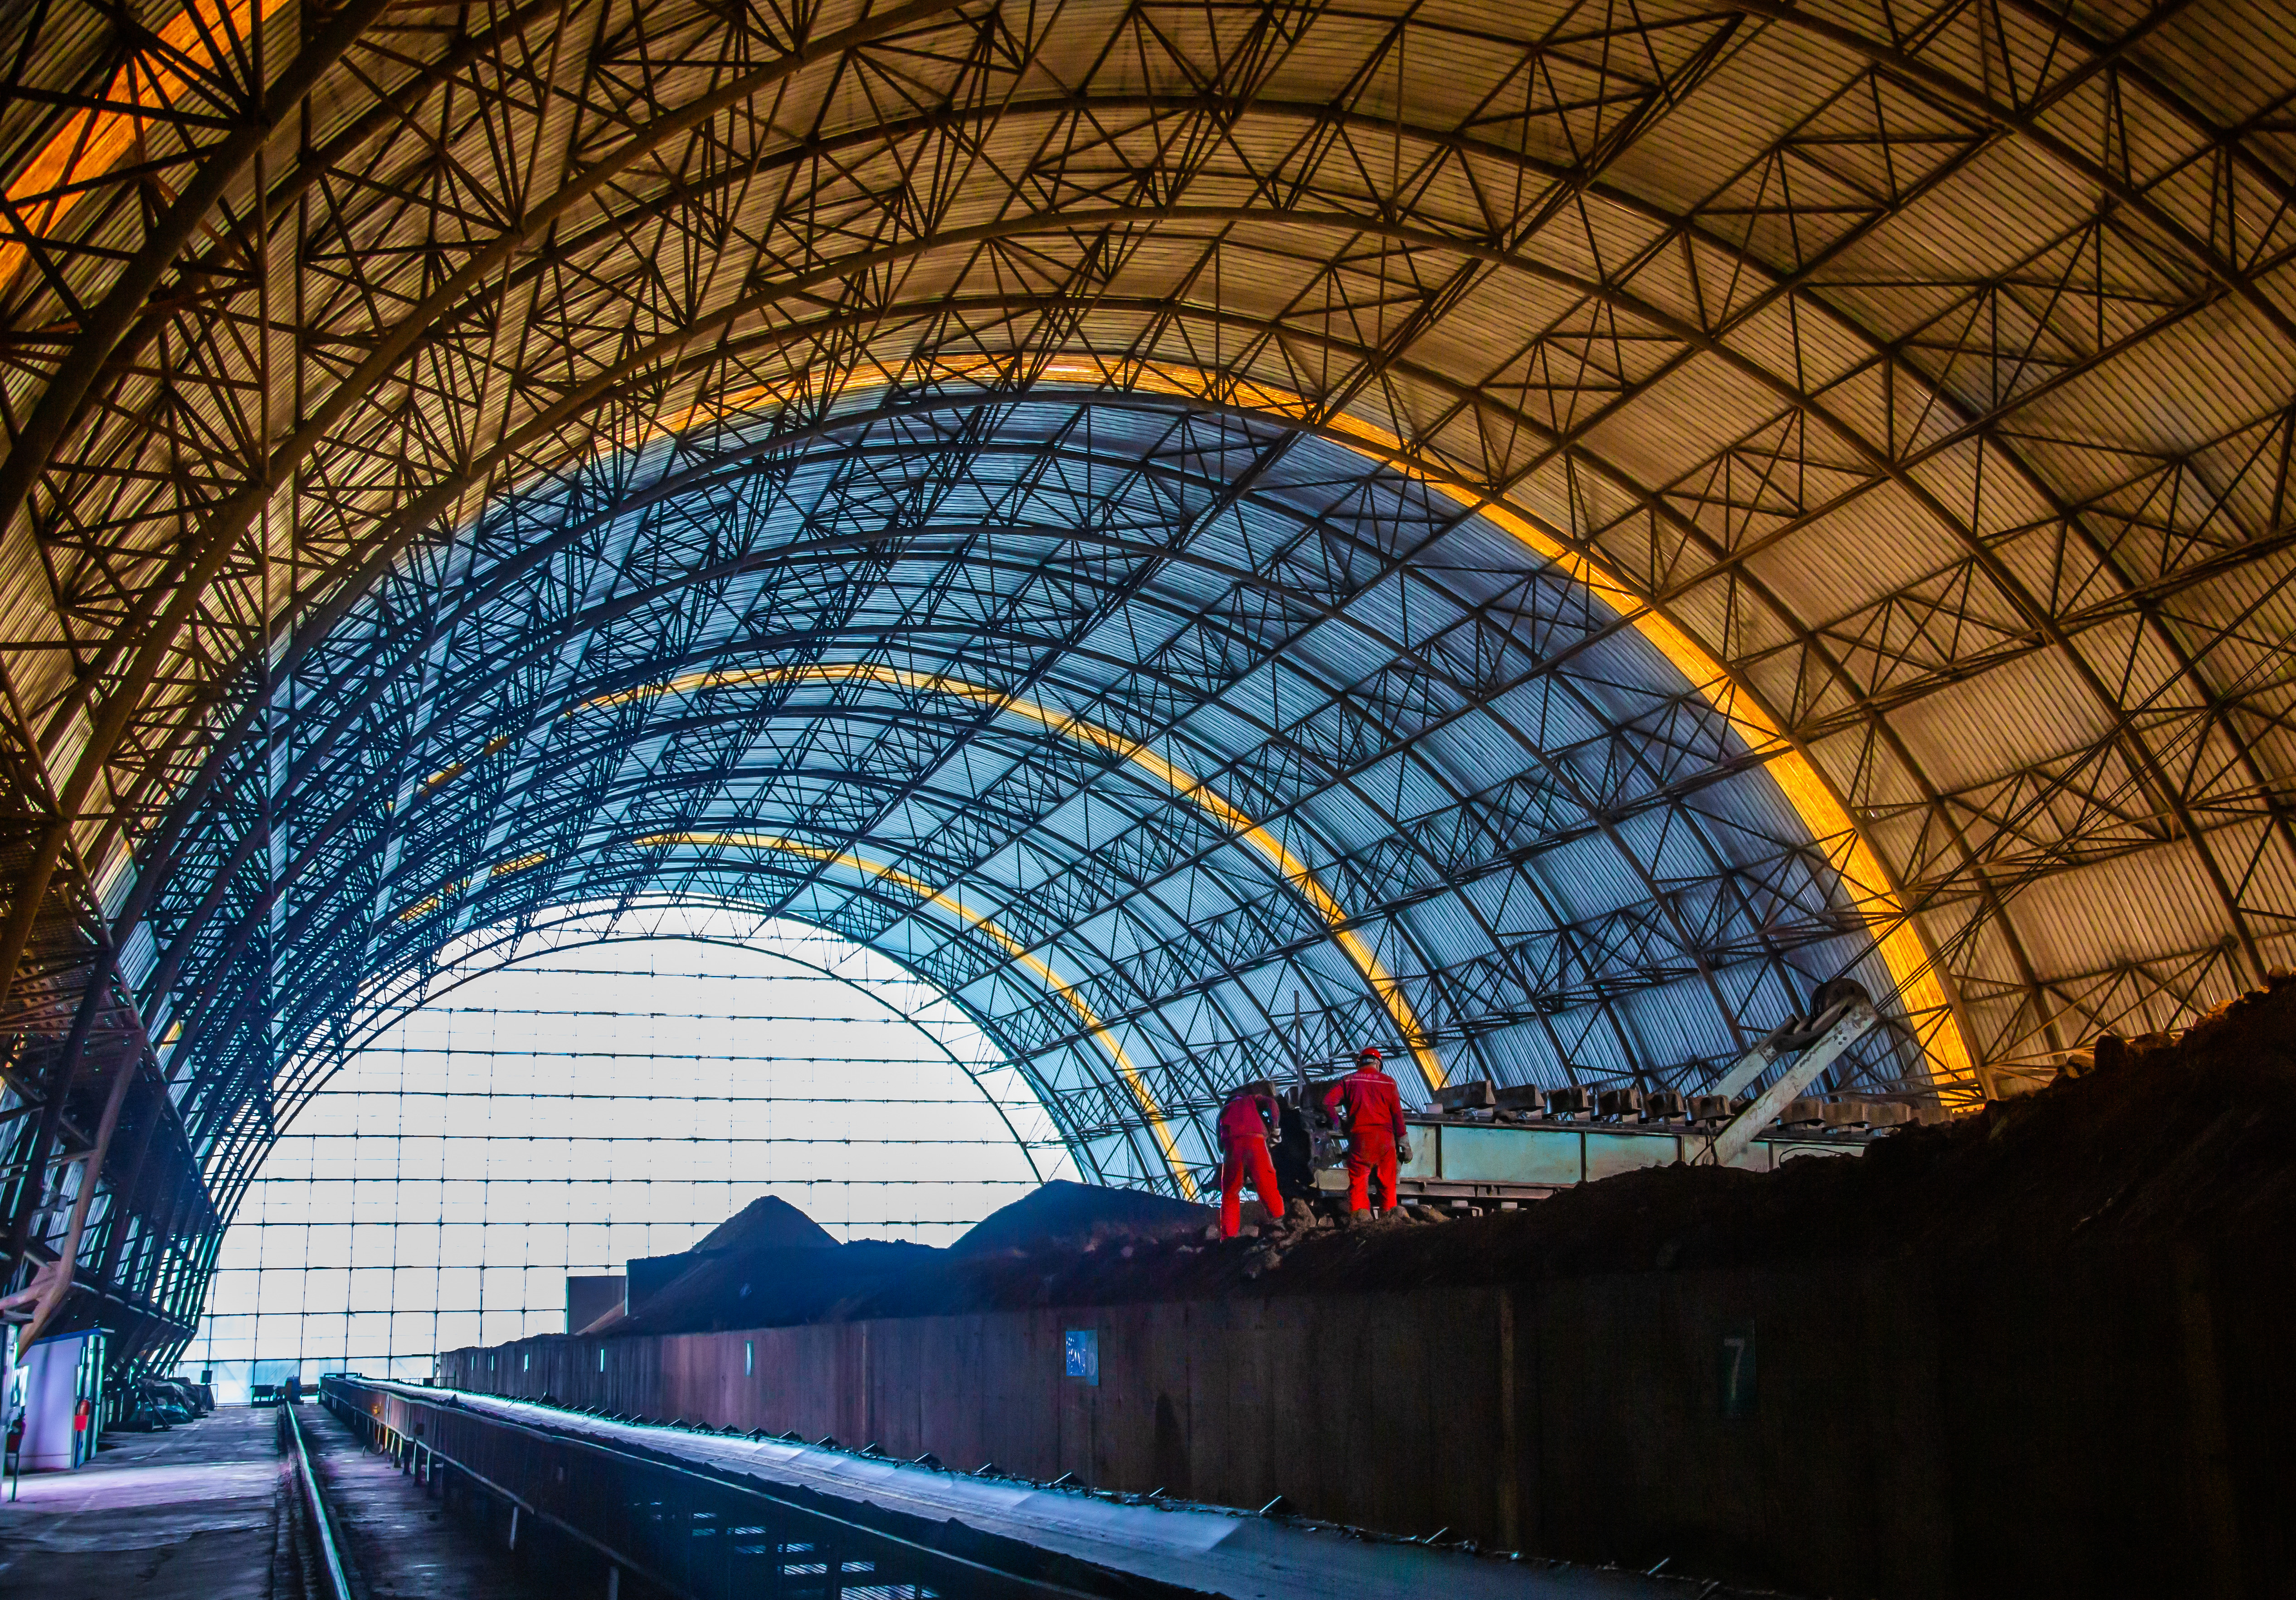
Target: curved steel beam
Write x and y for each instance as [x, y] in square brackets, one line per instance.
[1183, 784]
[204, 557]
[913, 895]
[504, 664]
[942, 900]
[60, 402]
[1882, 467]
[1629, 853]
[953, 800]
[2025, 123]
[499, 935]
[198, 1024]
[1809, 792]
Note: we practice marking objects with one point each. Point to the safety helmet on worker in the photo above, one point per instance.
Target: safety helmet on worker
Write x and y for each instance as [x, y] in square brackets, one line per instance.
[1369, 1056]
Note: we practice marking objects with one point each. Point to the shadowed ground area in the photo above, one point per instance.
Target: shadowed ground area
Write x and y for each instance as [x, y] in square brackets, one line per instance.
[207, 1512]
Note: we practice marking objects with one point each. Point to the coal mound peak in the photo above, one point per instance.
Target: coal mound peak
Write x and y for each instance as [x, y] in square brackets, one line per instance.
[768, 1223]
[1078, 1217]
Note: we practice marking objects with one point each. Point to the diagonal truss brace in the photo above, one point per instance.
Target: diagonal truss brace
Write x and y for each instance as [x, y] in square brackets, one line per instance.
[1738, 1136]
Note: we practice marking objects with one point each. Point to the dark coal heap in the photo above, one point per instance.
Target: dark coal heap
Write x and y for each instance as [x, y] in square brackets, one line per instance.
[2185, 1138]
[767, 1223]
[771, 1265]
[1079, 1217]
[772, 1287]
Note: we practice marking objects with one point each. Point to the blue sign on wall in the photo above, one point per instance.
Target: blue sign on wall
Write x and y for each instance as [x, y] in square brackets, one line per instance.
[1083, 1355]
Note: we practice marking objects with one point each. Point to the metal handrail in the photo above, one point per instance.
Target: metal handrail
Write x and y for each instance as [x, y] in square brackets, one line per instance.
[339, 1582]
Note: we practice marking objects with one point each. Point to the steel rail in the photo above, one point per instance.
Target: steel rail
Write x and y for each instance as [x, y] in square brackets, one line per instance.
[339, 1583]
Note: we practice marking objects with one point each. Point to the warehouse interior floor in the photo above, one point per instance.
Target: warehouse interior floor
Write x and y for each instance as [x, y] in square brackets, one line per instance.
[191, 1512]
[209, 1510]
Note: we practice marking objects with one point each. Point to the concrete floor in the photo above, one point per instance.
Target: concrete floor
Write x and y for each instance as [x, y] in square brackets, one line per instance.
[196, 1514]
[188, 1514]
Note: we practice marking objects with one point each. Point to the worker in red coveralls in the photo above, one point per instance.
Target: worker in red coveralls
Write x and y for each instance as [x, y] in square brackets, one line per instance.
[1366, 1104]
[1245, 1121]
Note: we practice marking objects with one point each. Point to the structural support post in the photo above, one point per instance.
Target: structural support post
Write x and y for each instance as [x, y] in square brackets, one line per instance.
[55, 1289]
[1750, 1066]
[1738, 1134]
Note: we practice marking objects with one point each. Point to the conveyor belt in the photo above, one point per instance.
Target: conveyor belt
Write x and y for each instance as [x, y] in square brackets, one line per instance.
[322, 1521]
[1176, 1548]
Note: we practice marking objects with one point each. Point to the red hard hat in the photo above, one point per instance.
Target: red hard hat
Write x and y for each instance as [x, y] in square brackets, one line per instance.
[1372, 1051]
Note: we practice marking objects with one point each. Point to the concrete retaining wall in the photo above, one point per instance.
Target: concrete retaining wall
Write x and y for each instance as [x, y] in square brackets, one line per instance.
[2115, 1422]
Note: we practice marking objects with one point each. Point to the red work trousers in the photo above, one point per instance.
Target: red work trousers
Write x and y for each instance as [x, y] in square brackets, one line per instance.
[1246, 1158]
[1369, 1153]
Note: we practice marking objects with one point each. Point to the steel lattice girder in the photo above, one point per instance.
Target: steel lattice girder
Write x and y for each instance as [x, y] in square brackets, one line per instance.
[1140, 895]
[1926, 372]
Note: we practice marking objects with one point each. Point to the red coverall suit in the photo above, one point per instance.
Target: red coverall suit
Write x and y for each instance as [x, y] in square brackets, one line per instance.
[1244, 1125]
[1367, 1099]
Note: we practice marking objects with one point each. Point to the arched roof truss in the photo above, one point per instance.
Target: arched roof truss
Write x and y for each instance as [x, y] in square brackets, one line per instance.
[1543, 530]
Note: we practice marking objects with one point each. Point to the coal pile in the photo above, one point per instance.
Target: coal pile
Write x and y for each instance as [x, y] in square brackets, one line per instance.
[1080, 1217]
[765, 1223]
[773, 1288]
[772, 1266]
[2184, 1138]
[2161, 1138]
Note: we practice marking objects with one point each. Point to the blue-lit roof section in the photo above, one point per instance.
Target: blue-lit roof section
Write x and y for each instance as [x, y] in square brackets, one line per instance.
[1132, 756]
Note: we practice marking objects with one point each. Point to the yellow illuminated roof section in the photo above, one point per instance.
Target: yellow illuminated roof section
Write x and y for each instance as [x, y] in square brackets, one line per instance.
[92, 142]
[1863, 879]
[942, 900]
